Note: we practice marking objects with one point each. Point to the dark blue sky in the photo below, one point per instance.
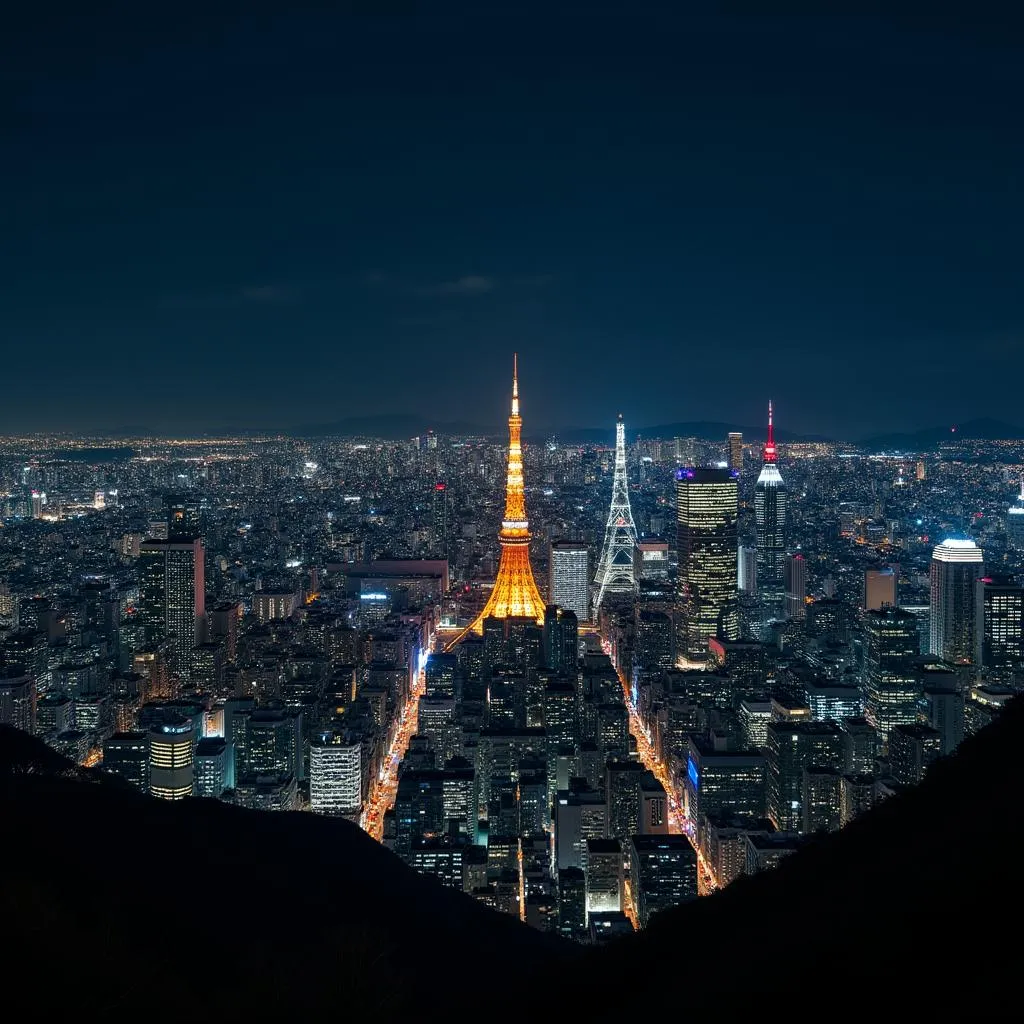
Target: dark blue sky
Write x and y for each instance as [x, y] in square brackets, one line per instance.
[284, 218]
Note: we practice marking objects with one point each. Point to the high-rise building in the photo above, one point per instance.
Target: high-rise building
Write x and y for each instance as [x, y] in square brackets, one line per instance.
[650, 560]
[560, 639]
[569, 577]
[796, 586]
[735, 450]
[439, 520]
[793, 748]
[126, 754]
[604, 876]
[1015, 522]
[172, 596]
[210, 774]
[515, 594]
[663, 874]
[999, 624]
[615, 573]
[879, 589]
[172, 759]
[706, 521]
[891, 682]
[17, 698]
[912, 751]
[771, 513]
[956, 564]
[747, 569]
[335, 775]
[721, 782]
[183, 514]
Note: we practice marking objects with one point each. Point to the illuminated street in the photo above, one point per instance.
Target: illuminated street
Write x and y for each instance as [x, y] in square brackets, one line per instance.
[385, 788]
[677, 821]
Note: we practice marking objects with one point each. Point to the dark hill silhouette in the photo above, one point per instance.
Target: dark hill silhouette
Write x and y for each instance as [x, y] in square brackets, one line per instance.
[203, 911]
[921, 440]
[896, 914]
[127, 905]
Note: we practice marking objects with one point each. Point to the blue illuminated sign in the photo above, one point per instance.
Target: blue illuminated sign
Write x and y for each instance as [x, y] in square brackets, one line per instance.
[691, 771]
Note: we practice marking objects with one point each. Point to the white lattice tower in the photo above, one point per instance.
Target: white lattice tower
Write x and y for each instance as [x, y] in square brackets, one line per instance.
[615, 573]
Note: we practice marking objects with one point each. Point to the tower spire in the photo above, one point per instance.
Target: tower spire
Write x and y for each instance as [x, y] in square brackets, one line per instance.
[615, 572]
[769, 448]
[515, 594]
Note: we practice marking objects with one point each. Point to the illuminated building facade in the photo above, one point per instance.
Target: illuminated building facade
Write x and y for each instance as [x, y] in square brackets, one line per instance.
[1015, 522]
[891, 680]
[956, 564]
[999, 624]
[796, 586]
[515, 594]
[735, 450]
[569, 577]
[172, 592]
[792, 748]
[771, 514]
[126, 754]
[335, 775]
[706, 523]
[172, 760]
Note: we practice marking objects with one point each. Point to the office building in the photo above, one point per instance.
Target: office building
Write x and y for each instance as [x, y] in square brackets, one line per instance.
[912, 751]
[879, 589]
[560, 639]
[439, 520]
[746, 569]
[172, 592]
[211, 767]
[721, 782]
[955, 566]
[572, 903]
[17, 699]
[126, 754]
[569, 577]
[796, 586]
[736, 451]
[650, 560]
[183, 516]
[172, 759]
[1015, 522]
[335, 775]
[604, 876]
[891, 681]
[706, 521]
[771, 514]
[663, 874]
[999, 624]
[792, 748]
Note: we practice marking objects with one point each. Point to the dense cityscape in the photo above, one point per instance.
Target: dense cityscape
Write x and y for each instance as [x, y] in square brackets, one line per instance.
[581, 683]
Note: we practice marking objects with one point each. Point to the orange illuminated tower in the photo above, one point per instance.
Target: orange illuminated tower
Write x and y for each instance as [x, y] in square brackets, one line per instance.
[515, 594]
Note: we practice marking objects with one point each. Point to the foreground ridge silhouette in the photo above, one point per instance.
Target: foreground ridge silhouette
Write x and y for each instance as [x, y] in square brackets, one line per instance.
[236, 913]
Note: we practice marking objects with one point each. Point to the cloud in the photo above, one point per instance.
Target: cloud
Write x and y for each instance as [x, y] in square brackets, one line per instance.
[468, 284]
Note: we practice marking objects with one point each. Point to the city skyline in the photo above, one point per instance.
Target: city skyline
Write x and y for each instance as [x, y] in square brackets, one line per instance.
[311, 216]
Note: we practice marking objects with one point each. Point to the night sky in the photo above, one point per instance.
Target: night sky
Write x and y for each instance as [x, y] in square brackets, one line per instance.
[288, 218]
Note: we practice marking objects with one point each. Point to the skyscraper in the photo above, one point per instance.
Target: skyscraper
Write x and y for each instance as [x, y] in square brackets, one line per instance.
[999, 624]
[956, 564]
[171, 759]
[796, 586]
[735, 450]
[879, 588]
[1015, 522]
[183, 517]
[891, 683]
[172, 596]
[615, 569]
[335, 775]
[771, 516]
[439, 520]
[569, 577]
[515, 594]
[706, 521]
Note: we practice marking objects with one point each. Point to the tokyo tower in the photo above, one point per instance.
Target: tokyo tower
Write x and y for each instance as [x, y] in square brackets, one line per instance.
[515, 594]
[615, 570]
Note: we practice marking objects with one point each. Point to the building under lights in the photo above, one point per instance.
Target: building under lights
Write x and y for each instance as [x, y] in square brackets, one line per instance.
[999, 624]
[707, 510]
[771, 513]
[1015, 522]
[956, 565]
[569, 577]
[335, 775]
[172, 759]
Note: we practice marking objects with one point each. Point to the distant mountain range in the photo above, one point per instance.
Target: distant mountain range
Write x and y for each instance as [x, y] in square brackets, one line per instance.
[972, 430]
[408, 425]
